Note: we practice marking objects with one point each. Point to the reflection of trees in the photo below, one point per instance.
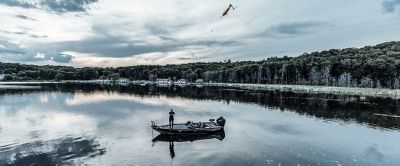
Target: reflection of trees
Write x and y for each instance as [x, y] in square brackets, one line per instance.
[53, 152]
[326, 106]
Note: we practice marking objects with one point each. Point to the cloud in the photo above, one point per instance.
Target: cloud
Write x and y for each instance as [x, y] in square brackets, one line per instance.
[19, 3]
[154, 28]
[106, 44]
[13, 52]
[390, 5]
[25, 17]
[37, 36]
[295, 28]
[10, 48]
[23, 33]
[32, 57]
[60, 57]
[119, 47]
[57, 6]
[191, 57]
[160, 32]
[52, 152]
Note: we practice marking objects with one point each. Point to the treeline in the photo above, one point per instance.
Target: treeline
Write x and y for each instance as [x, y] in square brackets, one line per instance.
[370, 66]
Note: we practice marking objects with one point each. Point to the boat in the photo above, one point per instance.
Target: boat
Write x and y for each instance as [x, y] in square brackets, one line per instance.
[172, 139]
[189, 127]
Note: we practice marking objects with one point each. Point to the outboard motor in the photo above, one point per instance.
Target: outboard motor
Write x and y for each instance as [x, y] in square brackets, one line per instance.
[221, 121]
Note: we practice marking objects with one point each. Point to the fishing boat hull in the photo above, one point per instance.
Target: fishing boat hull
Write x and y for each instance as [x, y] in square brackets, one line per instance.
[191, 128]
[220, 135]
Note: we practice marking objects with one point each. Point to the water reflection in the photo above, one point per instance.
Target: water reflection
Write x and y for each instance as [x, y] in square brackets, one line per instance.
[188, 138]
[108, 125]
[364, 110]
[171, 139]
[60, 151]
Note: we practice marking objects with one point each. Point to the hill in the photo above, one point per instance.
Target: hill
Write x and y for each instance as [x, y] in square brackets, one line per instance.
[370, 66]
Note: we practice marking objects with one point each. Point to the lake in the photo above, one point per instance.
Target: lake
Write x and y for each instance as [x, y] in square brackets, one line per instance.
[57, 124]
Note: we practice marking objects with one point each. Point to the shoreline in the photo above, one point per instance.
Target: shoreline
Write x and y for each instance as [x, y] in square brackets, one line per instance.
[363, 92]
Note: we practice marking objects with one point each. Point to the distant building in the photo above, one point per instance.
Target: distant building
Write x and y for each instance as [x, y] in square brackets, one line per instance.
[2, 77]
[123, 80]
[163, 81]
[181, 82]
[199, 81]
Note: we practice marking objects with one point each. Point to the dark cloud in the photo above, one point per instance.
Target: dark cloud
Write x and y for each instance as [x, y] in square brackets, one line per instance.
[58, 6]
[390, 5]
[25, 17]
[10, 48]
[33, 57]
[163, 29]
[192, 57]
[12, 52]
[62, 6]
[120, 47]
[38, 36]
[60, 57]
[156, 29]
[19, 3]
[290, 29]
[103, 44]
[24, 33]
[295, 27]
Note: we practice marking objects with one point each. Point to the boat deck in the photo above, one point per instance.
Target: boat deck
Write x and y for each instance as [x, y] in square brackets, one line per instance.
[176, 126]
[182, 126]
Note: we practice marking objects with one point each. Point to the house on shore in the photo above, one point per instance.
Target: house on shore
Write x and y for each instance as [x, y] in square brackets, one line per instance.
[163, 81]
[181, 82]
[199, 81]
[123, 81]
[2, 77]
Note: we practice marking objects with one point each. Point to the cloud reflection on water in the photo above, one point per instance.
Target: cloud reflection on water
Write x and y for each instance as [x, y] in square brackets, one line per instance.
[119, 123]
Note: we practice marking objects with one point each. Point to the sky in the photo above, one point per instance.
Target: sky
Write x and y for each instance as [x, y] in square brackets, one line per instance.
[135, 32]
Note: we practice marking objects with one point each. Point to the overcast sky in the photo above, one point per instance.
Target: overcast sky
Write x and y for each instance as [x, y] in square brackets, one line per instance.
[131, 32]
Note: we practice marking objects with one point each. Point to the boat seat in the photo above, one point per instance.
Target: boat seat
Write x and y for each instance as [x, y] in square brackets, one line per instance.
[191, 126]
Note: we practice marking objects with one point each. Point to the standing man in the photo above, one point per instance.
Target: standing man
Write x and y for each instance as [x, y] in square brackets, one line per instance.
[171, 119]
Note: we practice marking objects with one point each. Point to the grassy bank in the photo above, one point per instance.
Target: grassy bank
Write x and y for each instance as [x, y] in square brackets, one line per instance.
[366, 92]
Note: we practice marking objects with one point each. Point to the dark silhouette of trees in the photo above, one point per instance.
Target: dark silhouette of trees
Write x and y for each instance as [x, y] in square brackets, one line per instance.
[370, 66]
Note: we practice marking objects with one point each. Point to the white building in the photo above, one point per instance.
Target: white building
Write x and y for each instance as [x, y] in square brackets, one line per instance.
[123, 80]
[1, 77]
[199, 81]
[163, 81]
[181, 82]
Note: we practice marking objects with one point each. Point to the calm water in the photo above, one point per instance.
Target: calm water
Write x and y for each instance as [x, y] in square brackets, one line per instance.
[106, 125]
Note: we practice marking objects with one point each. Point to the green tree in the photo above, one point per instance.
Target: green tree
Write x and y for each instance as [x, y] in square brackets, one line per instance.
[59, 77]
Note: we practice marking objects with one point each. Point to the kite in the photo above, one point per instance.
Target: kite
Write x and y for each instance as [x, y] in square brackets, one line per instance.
[227, 10]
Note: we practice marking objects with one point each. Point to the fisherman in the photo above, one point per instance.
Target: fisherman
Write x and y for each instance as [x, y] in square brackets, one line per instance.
[171, 119]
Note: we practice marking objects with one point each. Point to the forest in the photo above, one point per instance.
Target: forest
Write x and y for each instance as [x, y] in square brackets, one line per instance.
[371, 66]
